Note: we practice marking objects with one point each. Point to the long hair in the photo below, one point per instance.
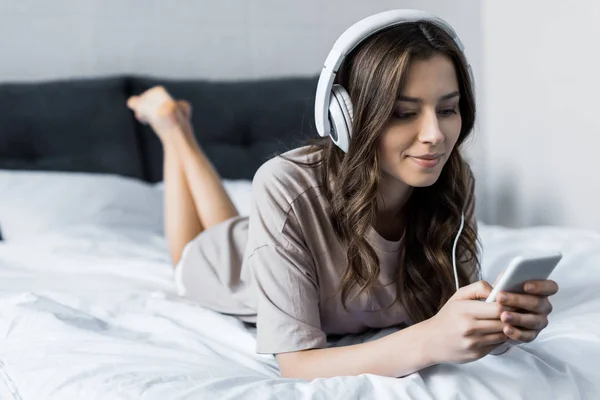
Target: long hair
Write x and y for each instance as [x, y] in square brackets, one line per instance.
[374, 75]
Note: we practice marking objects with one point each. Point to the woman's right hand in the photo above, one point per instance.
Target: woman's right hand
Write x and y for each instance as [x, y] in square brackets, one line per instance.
[466, 328]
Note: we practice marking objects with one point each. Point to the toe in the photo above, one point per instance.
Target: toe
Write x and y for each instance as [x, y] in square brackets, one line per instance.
[133, 101]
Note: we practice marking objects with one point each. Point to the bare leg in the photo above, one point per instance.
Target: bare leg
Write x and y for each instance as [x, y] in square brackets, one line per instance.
[181, 220]
[195, 198]
[212, 201]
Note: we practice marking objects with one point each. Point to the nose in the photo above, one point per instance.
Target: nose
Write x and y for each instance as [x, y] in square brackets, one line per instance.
[430, 131]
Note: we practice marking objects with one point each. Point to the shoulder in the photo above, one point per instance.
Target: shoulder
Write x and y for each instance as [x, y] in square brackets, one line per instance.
[283, 194]
[285, 178]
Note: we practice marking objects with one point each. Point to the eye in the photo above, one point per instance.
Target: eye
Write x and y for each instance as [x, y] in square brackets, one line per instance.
[404, 116]
[448, 113]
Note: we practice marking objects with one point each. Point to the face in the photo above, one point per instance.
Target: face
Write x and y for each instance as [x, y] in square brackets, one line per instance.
[426, 124]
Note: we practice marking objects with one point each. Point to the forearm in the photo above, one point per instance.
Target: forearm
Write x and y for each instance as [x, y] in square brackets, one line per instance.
[394, 355]
[210, 198]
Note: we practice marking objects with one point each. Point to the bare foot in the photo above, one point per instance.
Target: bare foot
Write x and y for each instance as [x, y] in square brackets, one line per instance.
[158, 109]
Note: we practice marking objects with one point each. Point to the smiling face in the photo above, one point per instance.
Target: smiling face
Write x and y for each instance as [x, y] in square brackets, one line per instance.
[426, 123]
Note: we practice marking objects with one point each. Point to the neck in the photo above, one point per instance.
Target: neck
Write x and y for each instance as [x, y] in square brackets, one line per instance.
[393, 195]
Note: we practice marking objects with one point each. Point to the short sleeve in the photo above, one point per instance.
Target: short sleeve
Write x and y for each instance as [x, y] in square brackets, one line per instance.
[288, 317]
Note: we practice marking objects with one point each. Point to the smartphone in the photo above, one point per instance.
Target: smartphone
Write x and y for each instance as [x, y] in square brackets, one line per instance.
[525, 268]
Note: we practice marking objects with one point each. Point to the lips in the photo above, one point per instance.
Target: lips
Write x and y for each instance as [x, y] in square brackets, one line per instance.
[427, 160]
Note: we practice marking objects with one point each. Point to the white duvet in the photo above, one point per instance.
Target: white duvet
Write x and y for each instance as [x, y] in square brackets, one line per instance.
[91, 313]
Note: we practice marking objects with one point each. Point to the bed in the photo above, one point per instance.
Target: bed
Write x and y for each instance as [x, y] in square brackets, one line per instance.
[88, 307]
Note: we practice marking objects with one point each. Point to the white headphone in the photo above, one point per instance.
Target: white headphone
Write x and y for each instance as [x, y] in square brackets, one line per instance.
[333, 107]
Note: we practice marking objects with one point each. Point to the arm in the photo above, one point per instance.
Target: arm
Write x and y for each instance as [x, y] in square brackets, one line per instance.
[289, 295]
[464, 330]
[398, 354]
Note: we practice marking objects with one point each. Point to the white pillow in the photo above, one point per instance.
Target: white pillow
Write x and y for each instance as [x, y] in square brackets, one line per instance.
[35, 202]
[239, 190]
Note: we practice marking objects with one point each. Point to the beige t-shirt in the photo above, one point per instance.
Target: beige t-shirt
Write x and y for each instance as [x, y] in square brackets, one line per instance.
[281, 266]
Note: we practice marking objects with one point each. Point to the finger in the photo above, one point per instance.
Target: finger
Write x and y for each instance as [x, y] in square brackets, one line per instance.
[525, 320]
[520, 335]
[475, 291]
[488, 326]
[483, 311]
[529, 302]
[509, 309]
[541, 288]
[493, 339]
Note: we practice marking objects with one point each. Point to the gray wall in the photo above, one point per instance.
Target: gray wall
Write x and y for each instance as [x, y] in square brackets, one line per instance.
[535, 63]
[542, 131]
[218, 39]
[221, 39]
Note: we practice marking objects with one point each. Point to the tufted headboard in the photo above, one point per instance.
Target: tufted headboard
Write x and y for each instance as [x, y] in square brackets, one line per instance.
[83, 125]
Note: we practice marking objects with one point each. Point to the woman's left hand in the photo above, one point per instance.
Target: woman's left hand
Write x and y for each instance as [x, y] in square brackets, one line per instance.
[526, 314]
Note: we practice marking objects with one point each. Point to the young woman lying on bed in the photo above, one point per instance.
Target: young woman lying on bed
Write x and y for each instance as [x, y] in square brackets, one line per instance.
[342, 240]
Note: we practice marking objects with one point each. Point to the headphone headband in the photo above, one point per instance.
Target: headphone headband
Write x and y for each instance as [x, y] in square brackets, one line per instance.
[352, 37]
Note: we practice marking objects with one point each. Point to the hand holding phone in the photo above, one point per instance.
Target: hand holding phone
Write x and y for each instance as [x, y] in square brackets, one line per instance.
[524, 268]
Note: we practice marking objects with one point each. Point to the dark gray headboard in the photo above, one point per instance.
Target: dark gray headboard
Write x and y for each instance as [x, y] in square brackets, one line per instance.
[84, 125]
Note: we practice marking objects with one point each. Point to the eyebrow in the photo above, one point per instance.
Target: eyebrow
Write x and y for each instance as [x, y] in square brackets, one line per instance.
[417, 100]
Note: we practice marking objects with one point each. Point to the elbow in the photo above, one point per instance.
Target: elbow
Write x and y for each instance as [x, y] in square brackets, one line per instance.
[291, 365]
[291, 371]
[297, 375]
[285, 373]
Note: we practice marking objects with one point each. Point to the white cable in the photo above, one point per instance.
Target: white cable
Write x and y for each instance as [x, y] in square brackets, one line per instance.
[462, 223]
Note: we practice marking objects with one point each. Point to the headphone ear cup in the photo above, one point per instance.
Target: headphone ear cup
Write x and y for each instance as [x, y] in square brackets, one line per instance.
[340, 92]
[340, 115]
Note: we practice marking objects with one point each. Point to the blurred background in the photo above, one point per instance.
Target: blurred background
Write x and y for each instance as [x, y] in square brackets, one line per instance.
[535, 63]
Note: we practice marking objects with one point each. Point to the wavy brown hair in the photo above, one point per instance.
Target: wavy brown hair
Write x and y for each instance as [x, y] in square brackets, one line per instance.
[374, 75]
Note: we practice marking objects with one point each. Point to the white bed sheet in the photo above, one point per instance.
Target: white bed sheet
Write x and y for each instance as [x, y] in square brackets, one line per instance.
[92, 313]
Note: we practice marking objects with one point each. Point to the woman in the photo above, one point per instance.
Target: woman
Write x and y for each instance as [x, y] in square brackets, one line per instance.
[340, 243]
